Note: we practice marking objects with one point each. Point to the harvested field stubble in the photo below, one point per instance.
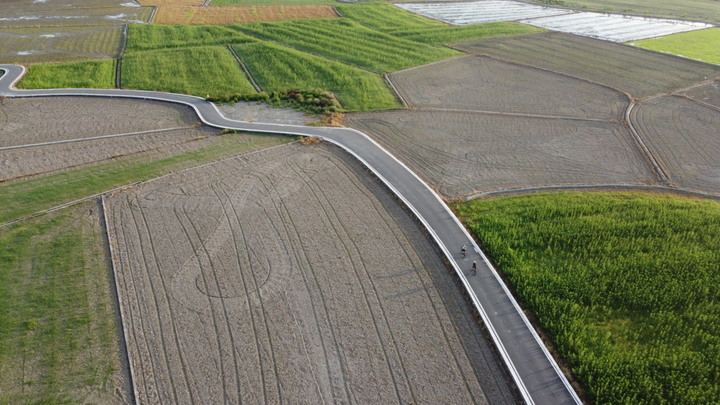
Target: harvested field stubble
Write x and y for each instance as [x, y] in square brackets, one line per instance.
[636, 71]
[685, 137]
[465, 152]
[56, 44]
[290, 276]
[485, 84]
[234, 15]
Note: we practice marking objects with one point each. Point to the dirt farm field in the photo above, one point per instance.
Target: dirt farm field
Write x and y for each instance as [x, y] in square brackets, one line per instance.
[485, 84]
[708, 94]
[235, 15]
[632, 70]
[461, 153]
[287, 275]
[685, 136]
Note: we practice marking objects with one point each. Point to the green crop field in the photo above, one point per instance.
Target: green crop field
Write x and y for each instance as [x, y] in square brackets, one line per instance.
[279, 68]
[95, 74]
[626, 285]
[21, 198]
[200, 71]
[58, 329]
[707, 10]
[386, 17]
[702, 45]
[349, 42]
[142, 37]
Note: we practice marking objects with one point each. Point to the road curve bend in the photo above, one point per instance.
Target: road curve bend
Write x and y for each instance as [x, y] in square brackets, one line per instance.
[533, 369]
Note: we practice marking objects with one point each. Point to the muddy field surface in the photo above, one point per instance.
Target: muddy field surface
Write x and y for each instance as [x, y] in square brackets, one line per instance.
[636, 71]
[486, 84]
[708, 94]
[262, 112]
[26, 121]
[461, 153]
[288, 276]
[685, 137]
[39, 160]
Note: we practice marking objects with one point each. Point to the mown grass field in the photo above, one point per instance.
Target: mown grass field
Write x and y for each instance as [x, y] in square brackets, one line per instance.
[94, 74]
[143, 37]
[58, 329]
[349, 42]
[277, 68]
[21, 198]
[702, 45]
[626, 285]
[201, 71]
[400, 23]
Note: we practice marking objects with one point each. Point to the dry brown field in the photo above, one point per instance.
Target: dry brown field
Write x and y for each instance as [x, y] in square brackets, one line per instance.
[685, 136]
[172, 2]
[290, 276]
[461, 153]
[485, 84]
[28, 122]
[708, 94]
[234, 15]
[632, 70]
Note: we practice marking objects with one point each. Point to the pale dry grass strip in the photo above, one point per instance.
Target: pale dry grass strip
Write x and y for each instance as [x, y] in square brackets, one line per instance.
[234, 15]
[160, 3]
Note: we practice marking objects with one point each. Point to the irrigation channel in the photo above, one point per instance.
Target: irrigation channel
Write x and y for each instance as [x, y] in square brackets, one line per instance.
[534, 371]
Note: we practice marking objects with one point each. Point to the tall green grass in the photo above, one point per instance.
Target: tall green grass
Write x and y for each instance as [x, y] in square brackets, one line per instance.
[142, 37]
[276, 67]
[25, 197]
[626, 285]
[201, 71]
[702, 45]
[95, 74]
[349, 42]
[58, 334]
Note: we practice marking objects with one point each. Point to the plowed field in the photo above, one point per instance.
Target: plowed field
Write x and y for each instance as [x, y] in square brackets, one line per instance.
[288, 276]
[709, 93]
[465, 152]
[485, 84]
[685, 136]
[636, 71]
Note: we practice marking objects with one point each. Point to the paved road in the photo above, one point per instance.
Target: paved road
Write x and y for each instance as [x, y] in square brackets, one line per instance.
[535, 372]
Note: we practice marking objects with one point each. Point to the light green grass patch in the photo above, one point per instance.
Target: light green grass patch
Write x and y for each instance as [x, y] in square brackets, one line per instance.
[349, 42]
[450, 35]
[386, 17]
[25, 197]
[142, 37]
[200, 71]
[95, 74]
[702, 45]
[58, 328]
[279, 68]
[626, 285]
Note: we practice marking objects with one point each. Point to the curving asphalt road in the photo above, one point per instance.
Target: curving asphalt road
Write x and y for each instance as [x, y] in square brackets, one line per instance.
[535, 372]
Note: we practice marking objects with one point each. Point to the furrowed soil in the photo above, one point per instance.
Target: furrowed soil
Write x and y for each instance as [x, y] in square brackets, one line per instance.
[461, 153]
[485, 84]
[683, 134]
[290, 275]
[708, 94]
[635, 71]
[235, 15]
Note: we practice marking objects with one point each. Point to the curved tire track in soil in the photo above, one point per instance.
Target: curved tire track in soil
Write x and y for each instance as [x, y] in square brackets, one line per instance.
[534, 370]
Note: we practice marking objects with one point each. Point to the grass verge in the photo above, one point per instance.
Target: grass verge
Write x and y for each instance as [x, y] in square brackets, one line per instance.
[626, 285]
[58, 329]
[702, 45]
[25, 197]
[95, 74]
